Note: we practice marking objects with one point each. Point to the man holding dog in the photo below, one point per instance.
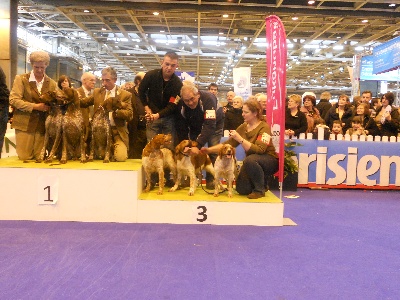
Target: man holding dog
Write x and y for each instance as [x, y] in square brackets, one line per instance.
[29, 113]
[118, 116]
[201, 119]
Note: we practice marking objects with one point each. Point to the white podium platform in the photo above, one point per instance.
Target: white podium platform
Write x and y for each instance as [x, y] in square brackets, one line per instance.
[97, 192]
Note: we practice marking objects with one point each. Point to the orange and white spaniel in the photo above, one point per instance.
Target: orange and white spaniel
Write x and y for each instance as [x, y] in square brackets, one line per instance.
[225, 167]
[190, 165]
[155, 159]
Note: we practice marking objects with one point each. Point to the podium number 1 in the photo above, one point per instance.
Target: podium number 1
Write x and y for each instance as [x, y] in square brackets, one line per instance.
[202, 213]
[47, 189]
[48, 194]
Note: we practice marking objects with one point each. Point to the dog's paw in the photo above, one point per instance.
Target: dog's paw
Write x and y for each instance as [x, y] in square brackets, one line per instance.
[106, 161]
[229, 194]
[160, 192]
[191, 192]
[173, 189]
[63, 161]
[216, 194]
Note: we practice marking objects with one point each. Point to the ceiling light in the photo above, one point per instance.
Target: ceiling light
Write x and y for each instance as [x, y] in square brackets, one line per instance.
[295, 18]
[86, 10]
[364, 21]
[311, 2]
[392, 5]
[225, 15]
[156, 13]
[103, 29]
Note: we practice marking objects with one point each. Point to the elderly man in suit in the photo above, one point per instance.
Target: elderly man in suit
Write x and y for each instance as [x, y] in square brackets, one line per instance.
[29, 114]
[118, 117]
[88, 83]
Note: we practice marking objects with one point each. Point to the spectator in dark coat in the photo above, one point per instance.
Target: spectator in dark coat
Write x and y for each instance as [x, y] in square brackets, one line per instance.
[295, 120]
[4, 104]
[233, 117]
[387, 117]
[367, 123]
[324, 105]
[340, 111]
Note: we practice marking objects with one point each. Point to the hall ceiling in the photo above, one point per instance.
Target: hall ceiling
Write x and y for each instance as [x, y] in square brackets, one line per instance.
[130, 37]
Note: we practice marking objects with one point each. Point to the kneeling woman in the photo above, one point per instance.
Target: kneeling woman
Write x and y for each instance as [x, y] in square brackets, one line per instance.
[261, 160]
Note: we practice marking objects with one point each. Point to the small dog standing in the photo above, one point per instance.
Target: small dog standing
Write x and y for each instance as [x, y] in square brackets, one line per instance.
[225, 167]
[73, 129]
[190, 165]
[53, 125]
[101, 142]
[155, 159]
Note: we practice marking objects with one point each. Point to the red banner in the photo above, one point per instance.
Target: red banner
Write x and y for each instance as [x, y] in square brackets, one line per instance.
[276, 53]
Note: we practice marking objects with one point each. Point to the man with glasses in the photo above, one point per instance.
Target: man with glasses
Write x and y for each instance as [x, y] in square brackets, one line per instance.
[159, 93]
[200, 119]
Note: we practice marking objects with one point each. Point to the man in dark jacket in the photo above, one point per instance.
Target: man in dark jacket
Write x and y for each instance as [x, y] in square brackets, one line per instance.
[4, 105]
[200, 119]
[324, 105]
[159, 91]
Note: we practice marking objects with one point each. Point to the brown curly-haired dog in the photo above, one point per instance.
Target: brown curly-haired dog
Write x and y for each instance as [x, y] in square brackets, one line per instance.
[156, 158]
[73, 129]
[53, 125]
[101, 142]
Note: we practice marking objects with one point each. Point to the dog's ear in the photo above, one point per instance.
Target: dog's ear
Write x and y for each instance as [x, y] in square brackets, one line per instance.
[221, 152]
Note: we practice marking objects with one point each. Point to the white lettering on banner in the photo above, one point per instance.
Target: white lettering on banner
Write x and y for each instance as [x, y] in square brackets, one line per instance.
[356, 169]
[274, 63]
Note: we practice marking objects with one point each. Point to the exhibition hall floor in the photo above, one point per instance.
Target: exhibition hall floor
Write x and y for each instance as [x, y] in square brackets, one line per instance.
[345, 246]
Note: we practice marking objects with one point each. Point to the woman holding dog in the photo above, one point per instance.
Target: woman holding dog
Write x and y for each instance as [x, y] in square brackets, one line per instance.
[261, 161]
[29, 113]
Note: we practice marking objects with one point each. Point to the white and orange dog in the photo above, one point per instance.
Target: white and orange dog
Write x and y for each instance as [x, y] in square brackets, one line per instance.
[155, 159]
[190, 165]
[225, 167]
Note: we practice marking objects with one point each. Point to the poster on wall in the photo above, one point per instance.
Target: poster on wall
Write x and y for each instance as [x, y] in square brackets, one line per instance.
[185, 75]
[242, 82]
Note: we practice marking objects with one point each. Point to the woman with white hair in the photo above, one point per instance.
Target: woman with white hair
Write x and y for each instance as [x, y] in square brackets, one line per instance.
[29, 113]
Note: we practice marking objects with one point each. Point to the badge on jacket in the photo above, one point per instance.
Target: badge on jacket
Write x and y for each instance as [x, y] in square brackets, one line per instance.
[210, 114]
[264, 138]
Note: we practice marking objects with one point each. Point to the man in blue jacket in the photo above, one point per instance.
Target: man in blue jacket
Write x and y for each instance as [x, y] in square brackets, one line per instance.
[200, 119]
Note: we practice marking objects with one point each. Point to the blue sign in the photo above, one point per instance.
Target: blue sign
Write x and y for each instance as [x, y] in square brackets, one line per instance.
[366, 71]
[387, 56]
[349, 164]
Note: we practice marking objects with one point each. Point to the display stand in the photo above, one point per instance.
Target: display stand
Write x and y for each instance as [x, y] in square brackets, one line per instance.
[98, 192]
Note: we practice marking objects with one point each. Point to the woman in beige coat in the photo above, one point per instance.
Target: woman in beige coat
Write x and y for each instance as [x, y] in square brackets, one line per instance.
[29, 114]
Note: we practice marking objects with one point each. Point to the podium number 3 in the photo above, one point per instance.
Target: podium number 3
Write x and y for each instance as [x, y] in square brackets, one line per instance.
[48, 194]
[202, 213]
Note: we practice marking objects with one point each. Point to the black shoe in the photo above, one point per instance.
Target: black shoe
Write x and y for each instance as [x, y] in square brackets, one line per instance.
[185, 182]
[210, 185]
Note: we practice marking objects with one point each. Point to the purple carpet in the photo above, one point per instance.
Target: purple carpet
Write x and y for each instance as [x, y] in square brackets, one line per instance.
[346, 246]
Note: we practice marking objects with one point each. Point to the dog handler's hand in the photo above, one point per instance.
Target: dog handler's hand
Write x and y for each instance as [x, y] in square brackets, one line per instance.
[236, 136]
[204, 150]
